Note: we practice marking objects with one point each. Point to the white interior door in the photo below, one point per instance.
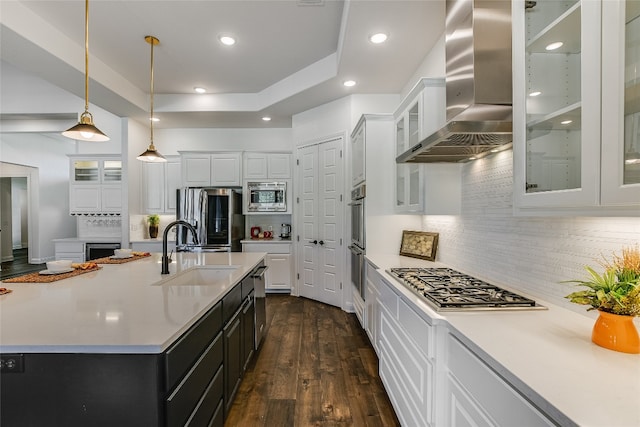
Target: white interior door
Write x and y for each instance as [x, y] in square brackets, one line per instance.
[321, 221]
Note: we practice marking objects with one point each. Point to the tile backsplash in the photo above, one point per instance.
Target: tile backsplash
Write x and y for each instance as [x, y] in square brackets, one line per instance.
[532, 254]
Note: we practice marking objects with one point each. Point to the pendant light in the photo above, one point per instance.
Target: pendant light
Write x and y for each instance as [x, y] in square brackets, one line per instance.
[151, 155]
[85, 130]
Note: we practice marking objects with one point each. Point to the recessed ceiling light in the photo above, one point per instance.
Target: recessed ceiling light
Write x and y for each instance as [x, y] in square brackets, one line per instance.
[554, 46]
[154, 119]
[536, 93]
[349, 83]
[200, 90]
[495, 150]
[227, 40]
[473, 158]
[266, 118]
[378, 38]
[566, 122]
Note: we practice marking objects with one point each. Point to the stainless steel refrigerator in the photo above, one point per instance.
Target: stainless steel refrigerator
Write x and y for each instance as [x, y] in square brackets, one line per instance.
[216, 213]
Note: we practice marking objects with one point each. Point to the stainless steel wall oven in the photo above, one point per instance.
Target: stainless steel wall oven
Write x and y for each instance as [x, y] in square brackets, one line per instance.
[357, 246]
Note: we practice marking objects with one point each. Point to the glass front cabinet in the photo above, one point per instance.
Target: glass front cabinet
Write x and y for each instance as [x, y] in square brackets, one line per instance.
[417, 186]
[571, 119]
[95, 184]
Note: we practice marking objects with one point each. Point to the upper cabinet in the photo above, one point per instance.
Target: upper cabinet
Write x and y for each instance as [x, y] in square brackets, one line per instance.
[424, 188]
[621, 96]
[568, 109]
[358, 161]
[372, 157]
[201, 169]
[267, 165]
[160, 180]
[95, 185]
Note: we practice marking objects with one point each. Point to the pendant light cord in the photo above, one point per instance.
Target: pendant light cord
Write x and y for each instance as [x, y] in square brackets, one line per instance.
[86, 57]
[152, 41]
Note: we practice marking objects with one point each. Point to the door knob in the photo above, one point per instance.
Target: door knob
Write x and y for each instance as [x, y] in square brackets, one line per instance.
[315, 242]
[321, 242]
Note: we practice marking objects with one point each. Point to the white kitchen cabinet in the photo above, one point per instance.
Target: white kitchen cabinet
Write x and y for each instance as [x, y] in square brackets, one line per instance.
[620, 92]
[95, 186]
[407, 356]
[278, 277]
[160, 180]
[266, 165]
[424, 188]
[69, 250]
[358, 160]
[203, 169]
[372, 304]
[569, 138]
[477, 396]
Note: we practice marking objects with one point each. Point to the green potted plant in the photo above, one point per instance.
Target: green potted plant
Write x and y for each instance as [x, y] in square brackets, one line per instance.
[154, 222]
[616, 295]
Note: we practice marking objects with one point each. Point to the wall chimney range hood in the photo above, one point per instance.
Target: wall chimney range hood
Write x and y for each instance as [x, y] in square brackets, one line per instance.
[478, 85]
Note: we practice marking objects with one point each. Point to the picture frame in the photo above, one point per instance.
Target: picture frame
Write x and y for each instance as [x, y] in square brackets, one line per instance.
[419, 244]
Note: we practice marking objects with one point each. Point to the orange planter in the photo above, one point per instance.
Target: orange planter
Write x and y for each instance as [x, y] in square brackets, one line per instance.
[616, 332]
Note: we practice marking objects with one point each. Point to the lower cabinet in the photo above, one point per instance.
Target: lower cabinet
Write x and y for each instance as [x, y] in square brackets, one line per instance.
[248, 330]
[432, 376]
[278, 277]
[477, 396]
[233, 362]
[69, 250]
[406, 361]
[372, 304]
[239, 336]
[192, 383]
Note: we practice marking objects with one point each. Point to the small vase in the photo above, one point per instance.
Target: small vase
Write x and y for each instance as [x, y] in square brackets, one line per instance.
[616, 332]
[153, 231]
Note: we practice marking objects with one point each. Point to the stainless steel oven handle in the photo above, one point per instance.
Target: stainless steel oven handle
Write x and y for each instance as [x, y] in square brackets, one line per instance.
[258, 273]
[356, 250]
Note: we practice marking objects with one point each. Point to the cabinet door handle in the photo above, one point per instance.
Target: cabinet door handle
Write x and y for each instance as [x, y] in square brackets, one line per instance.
[321, 242]
[315, 242]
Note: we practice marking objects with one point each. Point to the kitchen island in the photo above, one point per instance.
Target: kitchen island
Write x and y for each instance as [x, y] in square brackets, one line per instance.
[123, 345]
[530, 367]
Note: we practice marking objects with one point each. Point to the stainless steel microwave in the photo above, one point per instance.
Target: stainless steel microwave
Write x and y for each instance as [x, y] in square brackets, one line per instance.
[267, 196]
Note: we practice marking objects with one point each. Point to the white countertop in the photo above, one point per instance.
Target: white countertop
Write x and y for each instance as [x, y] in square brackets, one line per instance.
[274, 240]
[547, 354]
[122, 308]
[89, 239]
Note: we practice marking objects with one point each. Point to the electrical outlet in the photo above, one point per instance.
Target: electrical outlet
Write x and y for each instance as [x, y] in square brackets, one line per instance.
[11, 363]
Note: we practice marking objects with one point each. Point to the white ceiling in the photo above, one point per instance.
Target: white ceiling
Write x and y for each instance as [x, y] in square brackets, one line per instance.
[290, 56]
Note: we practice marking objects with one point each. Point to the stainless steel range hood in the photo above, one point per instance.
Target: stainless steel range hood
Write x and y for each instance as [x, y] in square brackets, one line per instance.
[478, 85]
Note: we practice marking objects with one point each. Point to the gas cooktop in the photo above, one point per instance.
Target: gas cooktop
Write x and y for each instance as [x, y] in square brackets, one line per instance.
[446, 289]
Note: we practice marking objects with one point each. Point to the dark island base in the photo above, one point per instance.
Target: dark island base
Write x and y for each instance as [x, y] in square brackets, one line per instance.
[82, 390]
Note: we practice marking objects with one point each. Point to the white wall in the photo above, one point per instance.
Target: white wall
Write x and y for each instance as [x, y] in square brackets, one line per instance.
[19, 203]
[328, 119]
[169, 141]
[24, 93]
[49, 156]
[525, 253]
[433, 66]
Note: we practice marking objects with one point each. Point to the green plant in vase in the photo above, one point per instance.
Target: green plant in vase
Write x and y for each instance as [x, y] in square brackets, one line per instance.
[154, 223]
[616, 295]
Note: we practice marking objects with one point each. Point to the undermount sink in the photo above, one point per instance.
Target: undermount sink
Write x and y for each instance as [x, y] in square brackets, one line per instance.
[201, 276]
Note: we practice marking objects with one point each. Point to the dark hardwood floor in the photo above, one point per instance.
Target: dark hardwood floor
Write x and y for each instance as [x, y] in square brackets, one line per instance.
[19, 266]
[315, 367]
